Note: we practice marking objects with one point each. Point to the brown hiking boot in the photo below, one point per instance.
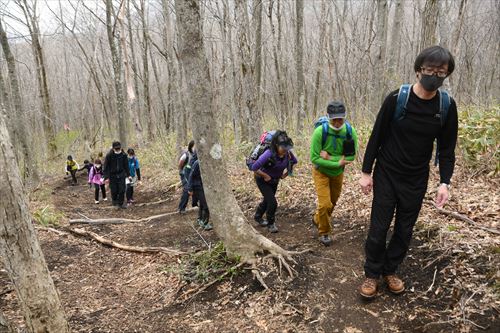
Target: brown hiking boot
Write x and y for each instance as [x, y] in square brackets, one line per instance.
[395, 284]
[369, 288]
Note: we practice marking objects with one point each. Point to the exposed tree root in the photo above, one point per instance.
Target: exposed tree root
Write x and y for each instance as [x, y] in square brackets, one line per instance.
[190, 294]
[129, 248]
[119, 220]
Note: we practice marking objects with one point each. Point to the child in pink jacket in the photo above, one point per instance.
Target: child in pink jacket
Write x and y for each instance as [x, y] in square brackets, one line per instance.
[96, 178]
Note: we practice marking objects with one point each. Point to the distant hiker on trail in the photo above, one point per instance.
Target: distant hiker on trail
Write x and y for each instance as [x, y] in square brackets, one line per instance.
[71, 168]
[334, 144]
[185, 165]
[195, 188]
[116, 171]
[86, 166]
[402, 140]
[274, 163]
[135, 174]
[96, 178]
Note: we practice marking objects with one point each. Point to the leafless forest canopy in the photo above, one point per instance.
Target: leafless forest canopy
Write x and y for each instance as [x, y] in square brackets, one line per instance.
[111, 68]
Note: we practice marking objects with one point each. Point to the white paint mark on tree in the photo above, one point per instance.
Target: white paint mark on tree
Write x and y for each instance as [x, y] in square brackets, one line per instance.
[216, 151]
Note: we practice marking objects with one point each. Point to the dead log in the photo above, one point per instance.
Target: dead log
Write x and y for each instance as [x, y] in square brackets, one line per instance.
[139, 249]
[463, 218]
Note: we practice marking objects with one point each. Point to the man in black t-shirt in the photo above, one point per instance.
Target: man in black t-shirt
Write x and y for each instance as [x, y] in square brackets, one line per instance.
[403, 149]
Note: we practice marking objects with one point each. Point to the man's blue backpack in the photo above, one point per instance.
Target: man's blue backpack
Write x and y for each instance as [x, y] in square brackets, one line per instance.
[348, 141]
[444, 106]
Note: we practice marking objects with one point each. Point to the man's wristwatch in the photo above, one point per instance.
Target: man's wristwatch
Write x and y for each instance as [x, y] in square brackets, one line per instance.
[448, 186]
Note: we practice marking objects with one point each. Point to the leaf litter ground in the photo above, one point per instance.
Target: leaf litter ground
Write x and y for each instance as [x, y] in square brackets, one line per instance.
[451, 271]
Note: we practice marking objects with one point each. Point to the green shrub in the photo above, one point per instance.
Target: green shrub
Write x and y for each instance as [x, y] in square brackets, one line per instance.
[479, 137]
[47, 216]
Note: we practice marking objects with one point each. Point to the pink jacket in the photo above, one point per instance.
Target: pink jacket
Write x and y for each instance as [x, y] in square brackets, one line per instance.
[95, 176]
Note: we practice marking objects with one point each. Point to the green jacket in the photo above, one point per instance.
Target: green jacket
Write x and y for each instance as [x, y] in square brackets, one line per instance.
[330, 167]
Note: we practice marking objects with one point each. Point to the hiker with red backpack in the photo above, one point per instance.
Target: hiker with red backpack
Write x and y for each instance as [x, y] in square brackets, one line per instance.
[334, 145]
[271, 161]
[402, 140]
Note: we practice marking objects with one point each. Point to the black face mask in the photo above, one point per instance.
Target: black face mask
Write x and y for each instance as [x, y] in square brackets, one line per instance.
[431, 82]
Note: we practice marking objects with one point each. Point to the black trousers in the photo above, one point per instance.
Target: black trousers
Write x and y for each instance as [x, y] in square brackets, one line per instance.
[203, 212]
[73, 176]
[130, 192]
[392, 193]
[269, 204]
[117, 187]
[185, 196]
[103, 190]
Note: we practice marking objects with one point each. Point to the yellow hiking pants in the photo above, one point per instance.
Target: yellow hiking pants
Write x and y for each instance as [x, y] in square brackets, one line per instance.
[328, 190]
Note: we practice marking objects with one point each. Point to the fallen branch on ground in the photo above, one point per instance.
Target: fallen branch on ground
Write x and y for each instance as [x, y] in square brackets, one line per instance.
[129, 248]
[142, 204]
[59, 232]
[120, 220]
[463, 218]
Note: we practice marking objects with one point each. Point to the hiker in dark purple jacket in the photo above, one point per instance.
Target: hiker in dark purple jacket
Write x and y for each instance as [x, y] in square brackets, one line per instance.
[274, 164]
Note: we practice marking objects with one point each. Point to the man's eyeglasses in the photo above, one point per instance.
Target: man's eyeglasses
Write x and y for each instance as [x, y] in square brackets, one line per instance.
[430, 71]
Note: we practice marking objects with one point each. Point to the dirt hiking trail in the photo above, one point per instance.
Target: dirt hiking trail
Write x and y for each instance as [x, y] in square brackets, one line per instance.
[105, 289]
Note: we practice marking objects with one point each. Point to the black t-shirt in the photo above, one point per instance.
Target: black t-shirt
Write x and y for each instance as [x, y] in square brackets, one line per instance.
[405, 146]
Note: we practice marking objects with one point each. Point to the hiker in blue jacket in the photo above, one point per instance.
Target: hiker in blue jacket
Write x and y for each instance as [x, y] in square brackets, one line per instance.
[402, 140]
[135, 174]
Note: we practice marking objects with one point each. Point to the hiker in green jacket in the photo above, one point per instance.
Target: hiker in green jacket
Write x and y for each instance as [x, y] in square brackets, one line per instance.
[334, 145]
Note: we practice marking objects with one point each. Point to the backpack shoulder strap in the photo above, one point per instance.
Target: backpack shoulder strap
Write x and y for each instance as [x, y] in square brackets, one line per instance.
[324, 134]
[402, 100]
[348, 128]
[444, 105]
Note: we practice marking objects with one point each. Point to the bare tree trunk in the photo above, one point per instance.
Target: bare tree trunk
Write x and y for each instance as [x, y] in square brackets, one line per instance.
[282, 100]
[319, 65]
[175, 103]
[164, 112]
[380, 51]
[32, 24]
[21, 253]
[117, 75]
[395, 48]
[429, 24]
[133, 64]
[299, 58]
[235, 104]
[69, 108]
[251, 117]
[145, 75]
[256, 118]
[238, 236]
[29, 169]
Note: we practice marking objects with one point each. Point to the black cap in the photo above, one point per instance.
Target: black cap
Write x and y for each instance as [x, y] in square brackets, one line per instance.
[285, 142]
[336, 109]
[117, 145]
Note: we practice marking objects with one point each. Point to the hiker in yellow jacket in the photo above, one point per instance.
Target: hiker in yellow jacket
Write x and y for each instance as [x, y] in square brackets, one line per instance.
[334, 145]
[71, 168]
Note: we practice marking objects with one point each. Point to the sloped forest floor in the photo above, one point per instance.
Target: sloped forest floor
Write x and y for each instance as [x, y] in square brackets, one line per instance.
[451, 272]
